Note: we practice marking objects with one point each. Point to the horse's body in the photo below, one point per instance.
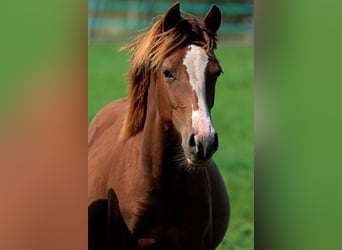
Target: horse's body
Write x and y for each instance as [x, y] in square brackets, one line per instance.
[169, 190]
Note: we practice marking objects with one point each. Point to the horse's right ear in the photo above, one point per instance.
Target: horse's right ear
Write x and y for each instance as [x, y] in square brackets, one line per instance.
[172, 17]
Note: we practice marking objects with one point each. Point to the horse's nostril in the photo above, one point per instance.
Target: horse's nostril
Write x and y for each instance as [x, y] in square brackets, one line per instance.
[204, 147]
[192, 142]
[213, 145]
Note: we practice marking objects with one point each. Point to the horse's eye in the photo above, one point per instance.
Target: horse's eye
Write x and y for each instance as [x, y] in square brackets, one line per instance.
[167, 73]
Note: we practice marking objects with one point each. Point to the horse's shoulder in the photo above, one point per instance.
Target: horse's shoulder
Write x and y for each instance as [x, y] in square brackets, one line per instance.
[213, 171]
[220, 203]
[218, 188]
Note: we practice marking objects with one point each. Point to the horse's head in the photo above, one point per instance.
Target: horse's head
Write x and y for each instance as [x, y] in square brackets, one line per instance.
[178, 54]
[189, 75]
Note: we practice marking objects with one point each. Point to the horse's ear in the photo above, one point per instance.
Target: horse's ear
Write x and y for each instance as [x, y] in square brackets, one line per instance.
[172, 17]
[212, 19]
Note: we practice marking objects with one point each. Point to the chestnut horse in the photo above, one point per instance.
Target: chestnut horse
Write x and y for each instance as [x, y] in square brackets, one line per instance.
[152, 183]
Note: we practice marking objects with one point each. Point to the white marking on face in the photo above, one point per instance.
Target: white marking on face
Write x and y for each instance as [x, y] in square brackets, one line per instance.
[196, 61]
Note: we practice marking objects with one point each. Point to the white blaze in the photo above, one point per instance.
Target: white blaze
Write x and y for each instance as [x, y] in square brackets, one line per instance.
[195, 62]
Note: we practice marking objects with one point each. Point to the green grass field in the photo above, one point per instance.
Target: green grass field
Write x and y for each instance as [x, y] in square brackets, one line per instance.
[232, 116]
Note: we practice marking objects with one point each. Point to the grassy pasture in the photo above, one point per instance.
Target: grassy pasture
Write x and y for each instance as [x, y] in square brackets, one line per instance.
[232, 116]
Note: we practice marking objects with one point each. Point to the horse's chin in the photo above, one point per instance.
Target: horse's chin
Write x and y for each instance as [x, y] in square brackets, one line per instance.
[197, 164]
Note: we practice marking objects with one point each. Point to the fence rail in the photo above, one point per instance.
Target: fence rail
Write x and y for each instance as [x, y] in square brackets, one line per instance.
[133, 15]
[161, 7]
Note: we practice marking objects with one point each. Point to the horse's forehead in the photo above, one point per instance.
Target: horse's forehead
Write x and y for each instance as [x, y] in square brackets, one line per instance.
[195, 52]
[195, 56]
[195, 61]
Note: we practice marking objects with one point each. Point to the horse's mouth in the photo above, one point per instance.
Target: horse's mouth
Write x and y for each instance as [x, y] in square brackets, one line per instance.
[197, 163]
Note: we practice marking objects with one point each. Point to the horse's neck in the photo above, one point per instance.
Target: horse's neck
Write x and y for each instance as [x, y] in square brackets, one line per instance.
[158, 146]
[160, 141]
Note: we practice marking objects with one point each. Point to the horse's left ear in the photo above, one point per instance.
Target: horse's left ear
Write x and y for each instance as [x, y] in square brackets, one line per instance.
[212, 19]
[172, 17]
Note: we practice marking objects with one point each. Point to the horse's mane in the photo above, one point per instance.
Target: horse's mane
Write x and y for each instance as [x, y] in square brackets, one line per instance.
[148, 51]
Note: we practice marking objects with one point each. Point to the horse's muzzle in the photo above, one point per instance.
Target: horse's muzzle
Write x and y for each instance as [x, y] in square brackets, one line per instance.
[203, 147]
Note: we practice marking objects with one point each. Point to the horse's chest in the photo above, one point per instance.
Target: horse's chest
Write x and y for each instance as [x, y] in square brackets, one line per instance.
[180, 222]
